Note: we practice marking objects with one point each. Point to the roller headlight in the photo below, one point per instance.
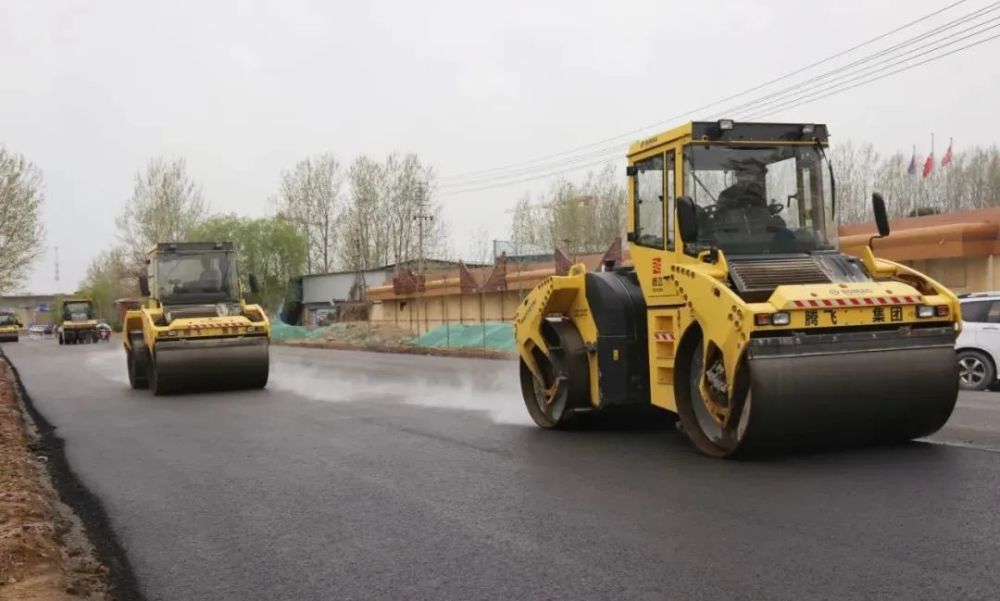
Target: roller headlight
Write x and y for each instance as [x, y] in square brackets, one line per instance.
[925, 311]
[781, 319]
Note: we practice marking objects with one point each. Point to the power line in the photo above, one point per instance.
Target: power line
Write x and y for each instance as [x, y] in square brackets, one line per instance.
[504, 184]
[815, 97]
[891, 73]
[849, 69]
[812, 92]
[496, 170]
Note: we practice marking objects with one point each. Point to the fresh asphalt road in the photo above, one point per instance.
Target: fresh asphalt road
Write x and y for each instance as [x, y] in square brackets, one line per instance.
[369, 476]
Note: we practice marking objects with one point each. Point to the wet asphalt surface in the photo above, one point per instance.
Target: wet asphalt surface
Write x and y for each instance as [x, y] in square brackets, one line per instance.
[369, 476]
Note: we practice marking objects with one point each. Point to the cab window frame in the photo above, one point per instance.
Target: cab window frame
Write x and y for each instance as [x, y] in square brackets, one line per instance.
[664, 226]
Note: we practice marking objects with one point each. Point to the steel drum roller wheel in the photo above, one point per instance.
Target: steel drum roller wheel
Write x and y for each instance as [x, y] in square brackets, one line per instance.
[822, 391]
[715, 424]
[136, 373]
[235, 363]
[565, 386]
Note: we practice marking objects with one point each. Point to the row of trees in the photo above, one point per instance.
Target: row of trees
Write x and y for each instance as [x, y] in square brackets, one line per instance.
[364, 216]
[579, 217]
[970, 181]
[325, 218]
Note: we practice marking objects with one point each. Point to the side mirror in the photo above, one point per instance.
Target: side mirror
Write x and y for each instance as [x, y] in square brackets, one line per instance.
[144, 285]
[687, 219]
[252, 279]
[881, 217]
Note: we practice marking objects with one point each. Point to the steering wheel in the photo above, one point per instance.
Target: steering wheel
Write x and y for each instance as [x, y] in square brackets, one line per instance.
[775, 207]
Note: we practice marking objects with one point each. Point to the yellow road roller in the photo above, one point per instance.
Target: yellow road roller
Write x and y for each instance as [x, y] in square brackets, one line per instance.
[738, 313]
[78, 323]
[195, 331]
[10, 326]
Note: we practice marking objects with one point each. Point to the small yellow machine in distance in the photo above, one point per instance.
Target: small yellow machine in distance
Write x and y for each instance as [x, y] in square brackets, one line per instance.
[10, 326]
[195, 332]
[739, 314]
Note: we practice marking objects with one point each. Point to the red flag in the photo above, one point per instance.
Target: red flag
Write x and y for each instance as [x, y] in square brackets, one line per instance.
[946, 159]
[929, 164]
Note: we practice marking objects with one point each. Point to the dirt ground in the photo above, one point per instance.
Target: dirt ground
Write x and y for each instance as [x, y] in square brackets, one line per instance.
[44, 555]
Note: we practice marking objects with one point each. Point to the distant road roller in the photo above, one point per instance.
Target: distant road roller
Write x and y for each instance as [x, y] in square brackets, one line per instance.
[78, 323]
[10, 326]
[738, 312]
[195, 331]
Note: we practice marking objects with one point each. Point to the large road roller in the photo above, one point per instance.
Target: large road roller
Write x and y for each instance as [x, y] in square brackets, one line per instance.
[195, 332]
[737, 313]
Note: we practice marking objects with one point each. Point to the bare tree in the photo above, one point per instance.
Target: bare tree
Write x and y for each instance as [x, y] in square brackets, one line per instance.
[310, 197]
[21, 230]
[971, 181]
[579, 217]
[388, 201]
[165, 206]
[481, 247]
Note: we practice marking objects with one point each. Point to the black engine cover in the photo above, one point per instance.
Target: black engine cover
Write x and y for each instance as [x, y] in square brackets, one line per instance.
[619, 310]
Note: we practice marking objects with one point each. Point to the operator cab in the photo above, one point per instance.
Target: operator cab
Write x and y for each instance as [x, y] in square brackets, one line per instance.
[193, 273]
[754, 199]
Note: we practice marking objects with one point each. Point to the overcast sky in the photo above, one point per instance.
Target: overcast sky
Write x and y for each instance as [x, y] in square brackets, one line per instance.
[89, 91]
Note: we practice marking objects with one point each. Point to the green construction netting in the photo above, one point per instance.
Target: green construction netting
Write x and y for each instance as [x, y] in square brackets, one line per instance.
[283, 331]
[491, 335]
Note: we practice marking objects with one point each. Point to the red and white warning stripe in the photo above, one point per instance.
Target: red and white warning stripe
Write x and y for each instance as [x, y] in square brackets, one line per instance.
[224, 324]
[663, 337]
[859, 302]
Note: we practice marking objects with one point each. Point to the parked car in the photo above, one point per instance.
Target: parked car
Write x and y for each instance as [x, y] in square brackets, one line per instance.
[36, 329]
[978, 345]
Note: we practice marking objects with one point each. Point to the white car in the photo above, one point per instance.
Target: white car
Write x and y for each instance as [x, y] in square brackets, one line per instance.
[978, 345]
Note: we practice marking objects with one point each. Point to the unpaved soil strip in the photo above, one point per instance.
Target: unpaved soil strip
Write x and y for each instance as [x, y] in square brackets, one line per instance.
[55, 542]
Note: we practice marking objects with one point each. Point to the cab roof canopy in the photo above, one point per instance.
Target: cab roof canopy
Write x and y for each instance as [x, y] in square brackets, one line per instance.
[166, 247]
[728, 130]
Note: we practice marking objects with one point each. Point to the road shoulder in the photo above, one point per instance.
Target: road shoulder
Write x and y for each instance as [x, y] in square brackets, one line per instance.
[55, 542]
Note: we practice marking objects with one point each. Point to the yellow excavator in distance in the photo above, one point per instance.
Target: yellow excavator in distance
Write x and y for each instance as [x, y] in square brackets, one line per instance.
[739, 314]
[195, 331]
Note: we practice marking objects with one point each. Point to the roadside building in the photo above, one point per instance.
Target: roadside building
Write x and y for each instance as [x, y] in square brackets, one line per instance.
[31, 308]
[340, 295]
[961, 249]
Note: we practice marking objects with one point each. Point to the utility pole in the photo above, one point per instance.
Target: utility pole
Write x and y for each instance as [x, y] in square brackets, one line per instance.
[57, 264]
[420, 218]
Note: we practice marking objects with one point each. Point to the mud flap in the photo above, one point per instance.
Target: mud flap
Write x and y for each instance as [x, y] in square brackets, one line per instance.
[850, 388]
